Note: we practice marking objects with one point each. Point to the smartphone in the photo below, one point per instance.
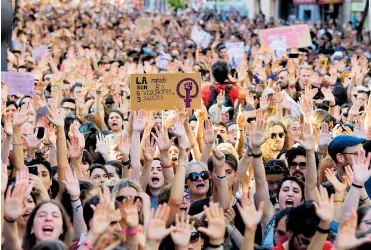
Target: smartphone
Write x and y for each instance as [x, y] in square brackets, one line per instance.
[33, 170]
[40, 132]
[293, 55]
[256, 78]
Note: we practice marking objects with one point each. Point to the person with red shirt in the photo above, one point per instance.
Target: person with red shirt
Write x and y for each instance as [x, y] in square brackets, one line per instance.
[221, 75]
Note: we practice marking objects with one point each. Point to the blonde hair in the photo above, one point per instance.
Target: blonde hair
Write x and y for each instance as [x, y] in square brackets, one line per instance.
[268, 154]
[319, 116]
[126, 183]
[228, 147]
[287, 120]
[191, 164]
[326, 162]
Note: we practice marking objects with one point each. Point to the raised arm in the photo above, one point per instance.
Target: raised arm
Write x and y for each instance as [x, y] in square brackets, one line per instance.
[309, 144]
[201, 117]
[209, 138]
[262, 193]
[241, 123]
[221, 185]
[148, 150]
[361, 173]
[8, 129]
[138, 126]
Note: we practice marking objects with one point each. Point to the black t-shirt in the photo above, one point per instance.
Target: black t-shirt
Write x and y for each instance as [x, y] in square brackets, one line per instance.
[198, 207]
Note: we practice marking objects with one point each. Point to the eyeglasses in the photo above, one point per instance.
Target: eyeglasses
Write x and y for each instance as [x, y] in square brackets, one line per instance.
[194, 176]
[368, 222]
[354, 153]
[123, 198]
[187, 198]
[273, 168]
[251, 119]
[302, 165]
[274, 135]
[195, 236]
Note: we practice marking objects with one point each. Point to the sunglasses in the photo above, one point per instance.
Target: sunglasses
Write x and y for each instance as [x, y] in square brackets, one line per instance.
[195, 236]
[280, 135]
[194, 176]
[251, 119]
[302, 165]
[273, 168]
[123, 198]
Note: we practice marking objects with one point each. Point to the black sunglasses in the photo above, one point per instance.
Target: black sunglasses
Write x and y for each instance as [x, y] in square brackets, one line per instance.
[123, 198]
[195, 236]
[302, 165]
[194, 176]
[251, 119]
[273, 168]
[280, 135]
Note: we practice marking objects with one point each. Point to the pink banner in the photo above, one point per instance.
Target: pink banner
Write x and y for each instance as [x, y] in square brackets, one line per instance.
[298, 2]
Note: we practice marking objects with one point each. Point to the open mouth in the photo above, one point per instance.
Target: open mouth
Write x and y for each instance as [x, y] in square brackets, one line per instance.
[48, 230]
[26, 215]
[174, 158]
[289, 203]
[183, 208]
[200, 185]
[155, 180]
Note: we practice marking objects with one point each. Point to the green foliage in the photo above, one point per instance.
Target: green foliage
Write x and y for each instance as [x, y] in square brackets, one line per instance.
[177, 4]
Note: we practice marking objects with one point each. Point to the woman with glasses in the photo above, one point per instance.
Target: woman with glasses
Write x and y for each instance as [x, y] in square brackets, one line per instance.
[276, 141]
[364, 218]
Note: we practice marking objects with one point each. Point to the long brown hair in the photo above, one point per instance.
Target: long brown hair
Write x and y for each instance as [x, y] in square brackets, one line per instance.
[29, 239]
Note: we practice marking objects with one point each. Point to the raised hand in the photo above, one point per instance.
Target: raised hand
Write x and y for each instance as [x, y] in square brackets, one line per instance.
[149, 149]
[328, 96]
[340, 187]
[139, 120]
[178, 127]
[14, 201]
[361, 172]
[8, 125]
[21, 116]
[220, 98]
[180, 110]
[32, 141]
[51, 135]
[218, 159]
[130, 214]
[72, 184]
[241, 119]
[310, 92]
[229, 216]
[308, 142]
[102, 145]
[216, 224]
[55, 116]
[359, 130]
[250, 216]
[346, 236]
[306, 106]
[354, 110]
[278, 96]
[264, 102]
[183, 230]
[209, 133]
[324, 206]
[74, 148]
[258, 131]
[162, 140]
[156, 229]
[124, 145]
[4, 178]
[324, 136]
[348, 175]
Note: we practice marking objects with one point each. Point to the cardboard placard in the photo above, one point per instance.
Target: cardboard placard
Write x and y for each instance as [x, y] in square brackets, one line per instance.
[235, 51]
[162, 91]
[200, 36]
[295, 36]
[19, 82]
[143, 24]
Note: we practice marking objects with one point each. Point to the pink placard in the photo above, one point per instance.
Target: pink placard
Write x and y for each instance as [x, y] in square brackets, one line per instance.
[295, 36]
[19, 82]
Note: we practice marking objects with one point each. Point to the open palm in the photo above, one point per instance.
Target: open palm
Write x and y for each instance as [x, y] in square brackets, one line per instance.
[250, 216]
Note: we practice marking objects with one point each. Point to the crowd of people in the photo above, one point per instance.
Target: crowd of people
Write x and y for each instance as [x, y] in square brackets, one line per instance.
[277, 157]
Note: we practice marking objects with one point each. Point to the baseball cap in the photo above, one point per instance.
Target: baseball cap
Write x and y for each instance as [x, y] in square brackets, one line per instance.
[341, 142]
[212, 111]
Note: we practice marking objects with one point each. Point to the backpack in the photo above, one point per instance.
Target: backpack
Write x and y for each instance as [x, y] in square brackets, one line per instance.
[214, 94]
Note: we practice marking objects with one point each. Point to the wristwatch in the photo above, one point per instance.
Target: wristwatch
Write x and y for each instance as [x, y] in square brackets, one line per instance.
[254, 155]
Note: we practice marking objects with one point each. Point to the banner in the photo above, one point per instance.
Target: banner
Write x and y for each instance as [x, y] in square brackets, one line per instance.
[235, 51]
[295, 36]
[201, 37]
[19, 82]
[162, 91]
[39, 52]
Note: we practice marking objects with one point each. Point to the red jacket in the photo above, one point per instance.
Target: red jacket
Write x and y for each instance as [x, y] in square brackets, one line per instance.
[206, 92]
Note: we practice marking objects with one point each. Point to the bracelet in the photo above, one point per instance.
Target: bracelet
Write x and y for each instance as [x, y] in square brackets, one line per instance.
[75, 200]
[364, 199]
[76, 208]
[163, 166]
[88, 245]
[323, 231]
[16, 144]
[256, 155]
[357, 186]
[215, 246]
[131, 233]
[340, 201]
[9, 221]
[331, 106]
[221, 177]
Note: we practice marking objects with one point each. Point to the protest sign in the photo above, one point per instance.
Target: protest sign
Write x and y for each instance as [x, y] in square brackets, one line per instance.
[143, 24]
[235, 51]
[19, 82]
[162, 91]
[39, 52]
[295, 36]
[200, 36]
